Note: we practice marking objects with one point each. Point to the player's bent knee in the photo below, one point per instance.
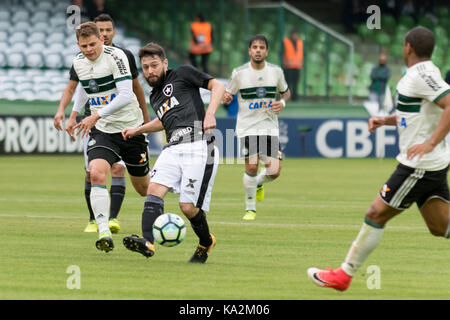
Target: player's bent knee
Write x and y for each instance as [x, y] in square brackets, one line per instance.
[188, 209]
[117, 170]
[252, 169]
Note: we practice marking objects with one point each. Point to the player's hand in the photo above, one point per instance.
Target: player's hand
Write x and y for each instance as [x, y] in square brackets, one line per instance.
[277, 106]
[129, 133]
[227, 98]
[375, 122]
[70, 127]
[418, 150]
[87, 124]
[209, 122]
[58, 119]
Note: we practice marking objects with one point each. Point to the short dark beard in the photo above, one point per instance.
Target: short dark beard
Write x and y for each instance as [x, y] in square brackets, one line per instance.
[158, 83]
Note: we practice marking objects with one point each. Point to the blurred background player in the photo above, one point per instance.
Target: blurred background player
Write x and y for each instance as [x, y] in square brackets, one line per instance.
[106, 27]
[106, 83]
[188, 163]
[423, 120]
[292, 61]
[258, 83]
[379, 82]
[201, 42]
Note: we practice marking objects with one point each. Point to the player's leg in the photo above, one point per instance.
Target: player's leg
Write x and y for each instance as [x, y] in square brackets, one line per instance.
[99, 169]
[92, 225]
[249, 151]
[367, 240]
[199, 168]
[165, 176]
[118, 188]
[436, 213]
[272, 156]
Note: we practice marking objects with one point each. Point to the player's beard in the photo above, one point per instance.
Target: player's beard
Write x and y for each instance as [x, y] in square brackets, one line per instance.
[159, 80]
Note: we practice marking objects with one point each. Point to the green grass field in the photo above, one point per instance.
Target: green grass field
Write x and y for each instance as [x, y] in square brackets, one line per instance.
[309, 217]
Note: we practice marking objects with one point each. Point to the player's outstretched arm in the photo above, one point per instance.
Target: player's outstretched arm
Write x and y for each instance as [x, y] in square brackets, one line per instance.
[66, 97]
[376, 122]
[438, 135]
[149, 127]
[217, 91]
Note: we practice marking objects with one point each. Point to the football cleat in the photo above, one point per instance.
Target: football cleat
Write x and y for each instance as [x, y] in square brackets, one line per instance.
[336, 279]
[260, 193]
[114, 225]
[249, 215]
[201, 253]
[140, 245]
[105, 243]
[91, 226]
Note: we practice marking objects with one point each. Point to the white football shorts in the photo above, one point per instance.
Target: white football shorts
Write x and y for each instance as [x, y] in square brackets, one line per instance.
[188, 169]
[86, 160]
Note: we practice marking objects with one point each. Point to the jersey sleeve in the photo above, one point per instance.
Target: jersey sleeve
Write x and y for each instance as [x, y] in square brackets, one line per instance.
[233, 83]
[194, 76]
[430, 86]
[282, 84]
[132, 62]
[120, 67]
[73, 75]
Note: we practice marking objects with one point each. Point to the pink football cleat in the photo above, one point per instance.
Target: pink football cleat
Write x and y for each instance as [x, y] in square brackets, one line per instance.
[336, 279]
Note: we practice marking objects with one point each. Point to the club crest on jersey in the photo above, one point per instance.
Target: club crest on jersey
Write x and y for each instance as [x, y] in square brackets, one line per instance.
[99, 101]
[168, 104]
[168, 90]
[261, 92]
[93, 86]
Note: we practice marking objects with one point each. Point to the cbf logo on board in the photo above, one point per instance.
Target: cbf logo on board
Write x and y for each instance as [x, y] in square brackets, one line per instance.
[100, 101]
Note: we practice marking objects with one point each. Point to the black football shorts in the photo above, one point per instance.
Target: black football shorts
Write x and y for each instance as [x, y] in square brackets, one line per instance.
[268, 146]
[408, 185]
[112, 148]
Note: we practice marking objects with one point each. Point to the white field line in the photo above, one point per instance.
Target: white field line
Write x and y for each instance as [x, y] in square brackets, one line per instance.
[229, 223]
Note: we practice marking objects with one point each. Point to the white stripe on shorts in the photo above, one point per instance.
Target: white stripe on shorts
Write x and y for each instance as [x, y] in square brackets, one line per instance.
[406, 187]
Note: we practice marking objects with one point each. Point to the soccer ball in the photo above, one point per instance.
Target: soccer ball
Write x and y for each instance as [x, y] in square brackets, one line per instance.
[169, 229]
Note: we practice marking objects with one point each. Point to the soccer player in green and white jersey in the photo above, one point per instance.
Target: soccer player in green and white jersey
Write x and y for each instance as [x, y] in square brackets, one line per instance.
[106, 27]
[258, 83]
[423, 121]
[106, 83]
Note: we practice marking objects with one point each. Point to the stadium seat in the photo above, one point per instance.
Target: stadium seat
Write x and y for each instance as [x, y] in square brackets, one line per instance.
[37, 47]
[56, 37]
[34, 60]
[4, 15]
[40, 16]
[23, 26]
[9, 94]
[3, 60]
[21, 15]
[37, 37]
[18, 36]
[16, 60]
[40, 26]
[27, 94]
[5, 26]
[4, 36]
[56, 47]
[406, 21]
[53, 60]
[19, 46]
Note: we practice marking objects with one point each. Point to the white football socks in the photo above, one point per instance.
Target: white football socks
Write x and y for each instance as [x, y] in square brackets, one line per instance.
[367, 240]
[250, 184]
[100, 206]
[262, 177]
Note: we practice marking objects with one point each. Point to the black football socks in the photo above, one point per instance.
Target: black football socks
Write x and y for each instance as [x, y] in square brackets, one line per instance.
[201, 228]
[153, 208]
[117, 193]
[87, 195]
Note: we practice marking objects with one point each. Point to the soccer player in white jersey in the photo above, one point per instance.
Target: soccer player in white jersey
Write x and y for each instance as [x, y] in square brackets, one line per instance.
[258, 83]
[106, 83]
[118, 183]
[423, 121]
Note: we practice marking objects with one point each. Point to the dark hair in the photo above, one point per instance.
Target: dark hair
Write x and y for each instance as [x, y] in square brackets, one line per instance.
[104, 17]
[421, 40]
[87, 29]
[201, 17]
[152, 49]
[259, 37]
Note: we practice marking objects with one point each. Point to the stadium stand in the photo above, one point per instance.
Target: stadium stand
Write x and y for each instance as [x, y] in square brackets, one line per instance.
[37, 49]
